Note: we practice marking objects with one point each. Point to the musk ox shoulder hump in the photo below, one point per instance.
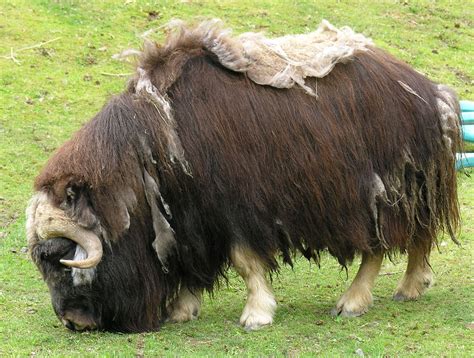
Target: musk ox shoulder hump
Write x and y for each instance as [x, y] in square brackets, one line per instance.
[278, 62]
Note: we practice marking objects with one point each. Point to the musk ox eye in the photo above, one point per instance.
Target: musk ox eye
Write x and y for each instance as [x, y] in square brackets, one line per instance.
[70, 194]
[77, 206]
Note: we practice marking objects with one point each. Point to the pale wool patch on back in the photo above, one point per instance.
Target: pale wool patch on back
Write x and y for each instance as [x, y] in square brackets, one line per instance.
[278, 62]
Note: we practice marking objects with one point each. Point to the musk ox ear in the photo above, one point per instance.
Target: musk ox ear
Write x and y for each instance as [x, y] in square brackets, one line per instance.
[77, 206]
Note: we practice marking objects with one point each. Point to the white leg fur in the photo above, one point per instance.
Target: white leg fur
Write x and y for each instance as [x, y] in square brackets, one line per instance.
[261, 304]
[418, 276]
[186, 307]
[358, 297]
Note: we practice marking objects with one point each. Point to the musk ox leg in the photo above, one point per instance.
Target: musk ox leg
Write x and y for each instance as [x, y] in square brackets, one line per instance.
[358, 297]
[418, 275]
[186, 307]
[261, 304]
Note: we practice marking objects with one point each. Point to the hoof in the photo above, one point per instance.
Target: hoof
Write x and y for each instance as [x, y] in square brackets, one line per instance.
[400, 297]
[186, 307]
[258, 314]
[412, 286]
[411, 295]
[353, 304]
[183, 316]
[411, 290]
[255, 321]
[345, 313]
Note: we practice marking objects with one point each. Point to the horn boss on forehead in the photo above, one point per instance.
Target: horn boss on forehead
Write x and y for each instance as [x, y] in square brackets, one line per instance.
[236, 150]
[52, 222]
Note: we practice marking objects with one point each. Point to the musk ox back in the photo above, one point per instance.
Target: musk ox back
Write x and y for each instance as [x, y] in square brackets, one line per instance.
[238, 151]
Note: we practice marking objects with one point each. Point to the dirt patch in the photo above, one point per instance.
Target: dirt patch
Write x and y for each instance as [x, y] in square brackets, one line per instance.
[460, 75]
[153, 15]
[140, 351]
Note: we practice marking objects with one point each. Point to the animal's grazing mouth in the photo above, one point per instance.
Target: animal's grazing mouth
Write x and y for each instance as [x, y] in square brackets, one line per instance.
[78, 325]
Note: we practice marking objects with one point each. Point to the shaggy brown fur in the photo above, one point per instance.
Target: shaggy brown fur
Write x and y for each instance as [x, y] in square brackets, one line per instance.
[361, 169]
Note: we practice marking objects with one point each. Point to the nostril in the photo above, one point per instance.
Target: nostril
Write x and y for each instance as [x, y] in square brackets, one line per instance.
[69, 325]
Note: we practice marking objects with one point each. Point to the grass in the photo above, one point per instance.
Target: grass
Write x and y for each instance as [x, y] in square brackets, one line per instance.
[49, 91]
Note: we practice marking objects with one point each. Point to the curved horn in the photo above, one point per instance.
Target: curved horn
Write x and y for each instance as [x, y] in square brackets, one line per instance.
[52, 222]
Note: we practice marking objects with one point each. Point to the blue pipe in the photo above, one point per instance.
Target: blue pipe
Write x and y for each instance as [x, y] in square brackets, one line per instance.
[464, 160]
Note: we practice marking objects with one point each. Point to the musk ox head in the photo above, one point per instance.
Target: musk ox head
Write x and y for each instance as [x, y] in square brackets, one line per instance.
[94, 284]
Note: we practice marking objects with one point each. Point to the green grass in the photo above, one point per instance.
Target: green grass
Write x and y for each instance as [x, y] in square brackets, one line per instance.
[55, 88]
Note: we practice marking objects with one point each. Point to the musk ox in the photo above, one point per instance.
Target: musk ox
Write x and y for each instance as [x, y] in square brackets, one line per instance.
[245, 151]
